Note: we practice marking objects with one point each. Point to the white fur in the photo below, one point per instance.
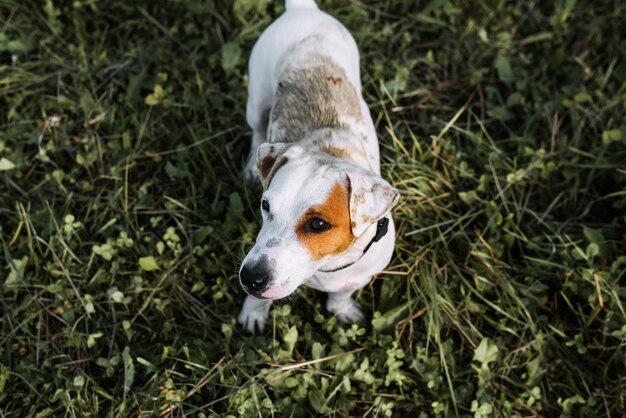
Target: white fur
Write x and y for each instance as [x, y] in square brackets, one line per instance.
[305, 180]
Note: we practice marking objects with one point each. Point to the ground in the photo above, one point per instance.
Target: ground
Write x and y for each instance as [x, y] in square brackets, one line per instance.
[124, 215]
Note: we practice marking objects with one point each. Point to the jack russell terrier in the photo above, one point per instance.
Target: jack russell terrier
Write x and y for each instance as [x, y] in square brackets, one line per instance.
[326, 209]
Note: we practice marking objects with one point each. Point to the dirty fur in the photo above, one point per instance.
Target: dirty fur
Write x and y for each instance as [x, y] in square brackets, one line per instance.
[315, 96]
[337, 152]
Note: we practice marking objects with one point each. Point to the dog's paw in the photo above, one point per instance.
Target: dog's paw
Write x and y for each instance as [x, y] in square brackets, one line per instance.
[254, 314]
[253, 322]
[347, 312]
[251, 172]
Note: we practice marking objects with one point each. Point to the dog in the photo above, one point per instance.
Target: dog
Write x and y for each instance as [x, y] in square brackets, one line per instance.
[325, 207]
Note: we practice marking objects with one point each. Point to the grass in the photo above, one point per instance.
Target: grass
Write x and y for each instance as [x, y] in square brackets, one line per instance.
[123, 215]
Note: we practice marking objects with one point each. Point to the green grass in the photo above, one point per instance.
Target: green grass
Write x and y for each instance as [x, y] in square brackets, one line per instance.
[123, 215]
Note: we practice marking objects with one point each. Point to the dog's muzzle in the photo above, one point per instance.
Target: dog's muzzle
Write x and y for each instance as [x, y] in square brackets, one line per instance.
[255, 276]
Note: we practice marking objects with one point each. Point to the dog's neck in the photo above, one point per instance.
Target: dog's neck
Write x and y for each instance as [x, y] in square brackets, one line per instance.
[381, 229]
[342, 144]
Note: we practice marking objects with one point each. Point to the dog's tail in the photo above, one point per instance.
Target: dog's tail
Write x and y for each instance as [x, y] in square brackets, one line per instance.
[300, 4]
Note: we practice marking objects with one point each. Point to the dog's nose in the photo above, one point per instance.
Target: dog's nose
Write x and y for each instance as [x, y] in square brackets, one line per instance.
[254, 278]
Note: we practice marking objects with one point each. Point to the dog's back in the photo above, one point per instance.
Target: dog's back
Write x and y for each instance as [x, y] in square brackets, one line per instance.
[304, 69]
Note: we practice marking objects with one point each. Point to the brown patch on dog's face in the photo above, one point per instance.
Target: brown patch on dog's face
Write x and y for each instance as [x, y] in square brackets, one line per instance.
[335, 212]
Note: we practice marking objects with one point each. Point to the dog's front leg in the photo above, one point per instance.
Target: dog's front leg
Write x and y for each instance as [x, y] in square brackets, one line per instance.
[251, 172]
[346, 309]
[254, 313]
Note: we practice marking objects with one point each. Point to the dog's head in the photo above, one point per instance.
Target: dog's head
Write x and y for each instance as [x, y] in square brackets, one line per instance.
[314, 208]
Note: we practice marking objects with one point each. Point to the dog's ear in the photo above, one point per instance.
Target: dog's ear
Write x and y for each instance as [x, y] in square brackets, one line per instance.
[269, 159]
[371, 198]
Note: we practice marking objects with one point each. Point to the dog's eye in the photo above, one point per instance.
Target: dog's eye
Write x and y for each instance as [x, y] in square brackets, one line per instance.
[265, 205]
[317, 225]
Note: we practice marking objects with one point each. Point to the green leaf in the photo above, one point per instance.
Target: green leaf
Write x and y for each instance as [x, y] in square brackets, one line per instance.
[569, 404]
[129, 370]
[539, 37]
[597, 242]
[486, 352]
[592, 250]
[45, 413]
[499, 112]
[117, 296]
[126, 144]
[6, 165]
[86, 101]
[155, 97]
[344, 362]
[148, 263]
[79, 381]
[234, 215]
[147, 364]
[317, 350]
[16, 272]
[174, 171]
[611, 136]
[150, 100]
[484, 410]
[231, 55]
[593, 235]
[106, 251]
[290, 338]
[316, 398]
[291, 382]
[469, 197]
[243, 8]
[582, 97]
[16, 46]
[387, 320]
[503, 65]
[516, 176]
[93, 338]
[4, 377]
[201, 234]
[102, 362]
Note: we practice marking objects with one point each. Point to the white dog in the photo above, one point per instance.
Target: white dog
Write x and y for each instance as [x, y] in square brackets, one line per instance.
[326, 220]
